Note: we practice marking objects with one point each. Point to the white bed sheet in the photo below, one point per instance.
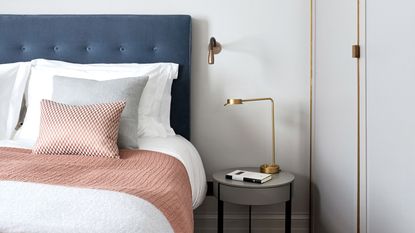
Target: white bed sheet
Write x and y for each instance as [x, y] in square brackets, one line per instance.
[175, 146]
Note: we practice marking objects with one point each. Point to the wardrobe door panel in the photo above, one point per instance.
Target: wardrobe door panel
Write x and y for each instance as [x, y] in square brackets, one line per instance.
[334, 168]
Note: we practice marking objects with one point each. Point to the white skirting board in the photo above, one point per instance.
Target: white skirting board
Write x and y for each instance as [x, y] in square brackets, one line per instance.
[207, 223]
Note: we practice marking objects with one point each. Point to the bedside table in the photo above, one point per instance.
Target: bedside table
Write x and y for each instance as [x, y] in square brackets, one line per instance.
[277, 190]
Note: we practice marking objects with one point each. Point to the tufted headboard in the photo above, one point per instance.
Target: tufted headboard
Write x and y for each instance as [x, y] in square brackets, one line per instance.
[106, 39]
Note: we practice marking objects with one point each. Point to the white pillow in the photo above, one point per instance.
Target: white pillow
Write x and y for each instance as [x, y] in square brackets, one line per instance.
[165, 108]
[150, 124]
[13, 77]
[157, 116]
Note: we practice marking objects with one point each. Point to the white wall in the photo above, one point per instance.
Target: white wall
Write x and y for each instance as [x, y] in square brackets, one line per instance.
[390, 116]
[265, 53]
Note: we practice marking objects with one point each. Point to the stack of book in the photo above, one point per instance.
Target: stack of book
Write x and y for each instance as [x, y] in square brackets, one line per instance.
[247, 176]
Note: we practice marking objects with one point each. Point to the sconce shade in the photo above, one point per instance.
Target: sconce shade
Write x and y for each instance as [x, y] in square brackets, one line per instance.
[214, 48]
[211, 57]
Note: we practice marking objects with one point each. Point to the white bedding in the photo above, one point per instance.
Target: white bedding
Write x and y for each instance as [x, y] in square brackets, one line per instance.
[41, 208]
[70, 209]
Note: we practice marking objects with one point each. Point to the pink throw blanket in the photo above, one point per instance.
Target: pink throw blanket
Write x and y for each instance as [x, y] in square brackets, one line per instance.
[158, 178]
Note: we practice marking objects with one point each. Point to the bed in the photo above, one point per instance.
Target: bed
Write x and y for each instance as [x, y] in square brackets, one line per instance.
[31, 203]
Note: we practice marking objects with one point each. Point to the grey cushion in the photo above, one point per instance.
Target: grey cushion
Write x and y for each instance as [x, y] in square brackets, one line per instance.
[76, 91]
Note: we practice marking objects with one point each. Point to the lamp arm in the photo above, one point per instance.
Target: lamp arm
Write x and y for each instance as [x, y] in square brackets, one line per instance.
[258, 99]
[273, 133]
[273, 123]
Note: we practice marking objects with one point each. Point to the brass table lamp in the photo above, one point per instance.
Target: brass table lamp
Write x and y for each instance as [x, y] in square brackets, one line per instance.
[265, 168]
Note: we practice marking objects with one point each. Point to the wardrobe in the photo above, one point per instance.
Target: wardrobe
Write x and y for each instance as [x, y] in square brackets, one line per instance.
[363, 116]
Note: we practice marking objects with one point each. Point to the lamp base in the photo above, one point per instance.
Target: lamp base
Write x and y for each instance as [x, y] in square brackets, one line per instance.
[270, 168]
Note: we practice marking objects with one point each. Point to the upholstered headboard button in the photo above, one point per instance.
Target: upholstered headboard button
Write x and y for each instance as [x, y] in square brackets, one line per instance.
[55, 48]
[122, 49]
[88, 49]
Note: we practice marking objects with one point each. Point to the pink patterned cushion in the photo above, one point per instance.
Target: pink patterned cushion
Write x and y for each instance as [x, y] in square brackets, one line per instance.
[90, 130]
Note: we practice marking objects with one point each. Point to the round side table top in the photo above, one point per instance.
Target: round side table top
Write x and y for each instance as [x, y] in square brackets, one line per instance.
[279, 179]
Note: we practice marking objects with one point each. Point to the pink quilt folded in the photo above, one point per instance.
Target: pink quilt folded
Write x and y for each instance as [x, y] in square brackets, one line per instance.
[155, 177]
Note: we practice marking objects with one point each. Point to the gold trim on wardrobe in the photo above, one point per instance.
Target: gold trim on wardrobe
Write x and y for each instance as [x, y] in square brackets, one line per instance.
[358, 119]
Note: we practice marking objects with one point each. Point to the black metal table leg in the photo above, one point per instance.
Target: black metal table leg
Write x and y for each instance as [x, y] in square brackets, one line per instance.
[288, 214]
[250, 220]
[220, 212]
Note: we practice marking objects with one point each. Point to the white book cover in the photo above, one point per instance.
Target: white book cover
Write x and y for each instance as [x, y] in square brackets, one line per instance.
[248, 176]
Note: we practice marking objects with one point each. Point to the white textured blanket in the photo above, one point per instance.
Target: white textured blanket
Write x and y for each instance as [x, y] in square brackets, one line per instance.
[97, 211]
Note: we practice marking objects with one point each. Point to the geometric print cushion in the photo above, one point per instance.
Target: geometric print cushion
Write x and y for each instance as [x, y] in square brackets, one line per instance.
[89, 130]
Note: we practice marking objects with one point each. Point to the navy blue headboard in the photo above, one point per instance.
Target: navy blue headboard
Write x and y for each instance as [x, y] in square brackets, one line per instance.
[106, 39]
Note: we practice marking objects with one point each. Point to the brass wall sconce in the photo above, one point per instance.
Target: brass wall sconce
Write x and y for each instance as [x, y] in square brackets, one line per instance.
[265, 168]
[214, 48]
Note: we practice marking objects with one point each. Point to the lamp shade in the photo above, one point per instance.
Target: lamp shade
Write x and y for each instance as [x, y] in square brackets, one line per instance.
[233, 101]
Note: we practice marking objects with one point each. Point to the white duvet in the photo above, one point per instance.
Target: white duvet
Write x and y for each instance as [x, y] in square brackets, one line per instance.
[33, 207]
